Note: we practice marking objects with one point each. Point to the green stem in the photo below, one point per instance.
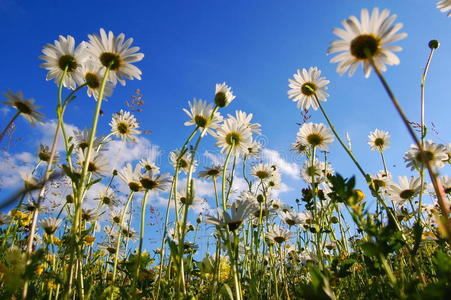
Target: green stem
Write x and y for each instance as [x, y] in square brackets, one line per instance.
[141, 231]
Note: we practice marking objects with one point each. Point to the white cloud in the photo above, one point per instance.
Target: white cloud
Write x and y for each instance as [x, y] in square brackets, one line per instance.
[285, 167]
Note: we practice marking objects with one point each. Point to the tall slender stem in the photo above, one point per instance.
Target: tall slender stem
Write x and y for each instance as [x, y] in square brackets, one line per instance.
[141, 231]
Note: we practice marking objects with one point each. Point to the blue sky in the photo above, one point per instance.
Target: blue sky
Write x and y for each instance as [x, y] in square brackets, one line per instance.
[255, 46]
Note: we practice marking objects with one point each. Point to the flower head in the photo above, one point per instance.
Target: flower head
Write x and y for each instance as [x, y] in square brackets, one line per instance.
[81, 139]
[149, 165]
[124, 125]
[114, 52]
[434, 153]
[211, 172]
[108, 197]
[236, 134]
[131, 177]
[315, 135]
[92, 74]
[63, 55]
[307, 88]
[239, 211]
[201, 115]
[155, 182]
[24, 106]
[407, 189]
[50, 225]
[183, 162]
[316, 172]
[379, 140]
[223, 95]
[366, 39]
[277, 234]
[97, 164]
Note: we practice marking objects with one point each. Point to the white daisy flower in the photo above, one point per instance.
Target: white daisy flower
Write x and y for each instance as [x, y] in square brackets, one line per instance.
[239, 211]
[231, 132]
[81, 139]
[316, 172]
[223, 95]
[315, 135]
[211, 172]
[98, 164]
[155, 182]
[307, 88]
[280, 206]
[444, 6]
[108, 197]
[299, 148]
[379, 140]
[200, 114]
[131, 176]
[292, 218]
[407, 188]
[91, 73]
[115, 52]
[277, 234]
[448, 152]
[25, 106]
[61, 55]
[434, 153]
[274, 181]
[89, 214]
[254, 149]
[50, 225]
[365, 39]
[29, 180]
[262, 171]
[382, 180]
[243, 118]
[124, 125]
[149, 165]
[184, 161]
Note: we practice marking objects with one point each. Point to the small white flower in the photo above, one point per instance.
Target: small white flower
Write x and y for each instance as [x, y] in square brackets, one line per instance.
[149, 165]
[211, 172]
[200, 114]
[115, 52]
[365, 39]
[131, 176]
[97, 165]
[50, 225]
[108, 197]
[292, 218]
[81, 139]
[307, 88]
[25, 106]
[124, 125]
[316, 172]
[379, 140]
[184, 161]
[236, 134]
[239, 211]
[91, 73]
[315, 135]
[262, 171]
[61, 55]
[254, 149]
[158, 182]
[223, 95]
[434, 153]
[278, 234]
[382, 180]
[407, 189]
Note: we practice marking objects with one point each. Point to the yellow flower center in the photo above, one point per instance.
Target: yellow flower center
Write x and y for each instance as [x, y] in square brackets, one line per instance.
[111, 60]
[365, 46]
[67, 61]
[308, 88]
